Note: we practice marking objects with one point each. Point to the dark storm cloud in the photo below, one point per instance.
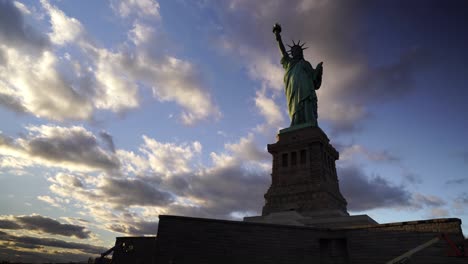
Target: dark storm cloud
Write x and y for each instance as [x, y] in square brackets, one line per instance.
[44, 225]
[126, 192]
[13, 30]
[363, 193]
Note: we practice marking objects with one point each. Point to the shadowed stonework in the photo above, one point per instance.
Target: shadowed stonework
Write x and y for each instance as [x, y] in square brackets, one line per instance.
[304, 175]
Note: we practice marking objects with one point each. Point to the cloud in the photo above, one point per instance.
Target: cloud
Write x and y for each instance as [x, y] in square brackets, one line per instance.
[69, 148]
[366, 193]
[427, 200]
[43, 224]
[270, 110]
[351, 82]
[34, 79]
[351, 151]
[439, 212]
[161, 158]
[49, 200]
[119, 193]
[246, 149]
[220, 191]
[363, 193]
[114, 88]
[458, 181]
[15, 32]
[142, 8]
[160, 179]
[136, 228]
[128, 192]
[51, 242]
[12, 103]
[20, 253]
[64, 29]
[235, 183]
[8, 224]
[411, 177]
[461, 201]
[170, 79]
[108, 140]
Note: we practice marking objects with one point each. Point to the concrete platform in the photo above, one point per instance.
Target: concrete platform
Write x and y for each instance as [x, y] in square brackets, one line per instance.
[322, 221]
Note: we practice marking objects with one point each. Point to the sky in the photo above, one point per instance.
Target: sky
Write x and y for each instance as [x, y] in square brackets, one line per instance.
[114, 112]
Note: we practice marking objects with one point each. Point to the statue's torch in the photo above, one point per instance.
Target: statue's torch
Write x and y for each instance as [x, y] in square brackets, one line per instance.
[277, 29]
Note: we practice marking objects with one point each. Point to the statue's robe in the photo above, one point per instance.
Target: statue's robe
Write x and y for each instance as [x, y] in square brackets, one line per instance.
[301, 80]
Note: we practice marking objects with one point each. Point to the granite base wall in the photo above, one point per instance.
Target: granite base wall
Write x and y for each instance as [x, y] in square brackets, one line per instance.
[195, 240]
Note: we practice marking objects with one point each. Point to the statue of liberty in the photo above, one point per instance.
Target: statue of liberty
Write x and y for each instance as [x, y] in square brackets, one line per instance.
[300, 80]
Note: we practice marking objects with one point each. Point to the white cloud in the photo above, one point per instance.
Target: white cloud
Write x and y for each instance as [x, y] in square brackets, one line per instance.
[148, 8]
[49, 200]
[34, 79]
[353, 151]
[116, 89]
[37, 85]
[177, 80]
[164, 159]
[23, 8]
[247, 150]
[64, 29]
[140, 33]
[270, 110]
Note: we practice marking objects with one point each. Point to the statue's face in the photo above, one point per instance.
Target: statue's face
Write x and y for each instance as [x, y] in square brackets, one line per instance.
[296, 52]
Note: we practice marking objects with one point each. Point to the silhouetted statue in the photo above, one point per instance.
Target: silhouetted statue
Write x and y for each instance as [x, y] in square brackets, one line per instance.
[300, 80]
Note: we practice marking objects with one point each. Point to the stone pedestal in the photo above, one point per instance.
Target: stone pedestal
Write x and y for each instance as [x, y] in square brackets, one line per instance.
[304, 190]
[304, 176]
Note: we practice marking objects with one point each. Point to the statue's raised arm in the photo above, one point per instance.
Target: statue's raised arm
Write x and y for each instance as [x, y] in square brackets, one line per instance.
[300, 81]
[277, 31]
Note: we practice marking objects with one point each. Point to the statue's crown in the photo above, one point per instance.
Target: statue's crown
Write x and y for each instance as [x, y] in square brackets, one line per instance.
[297, 45]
